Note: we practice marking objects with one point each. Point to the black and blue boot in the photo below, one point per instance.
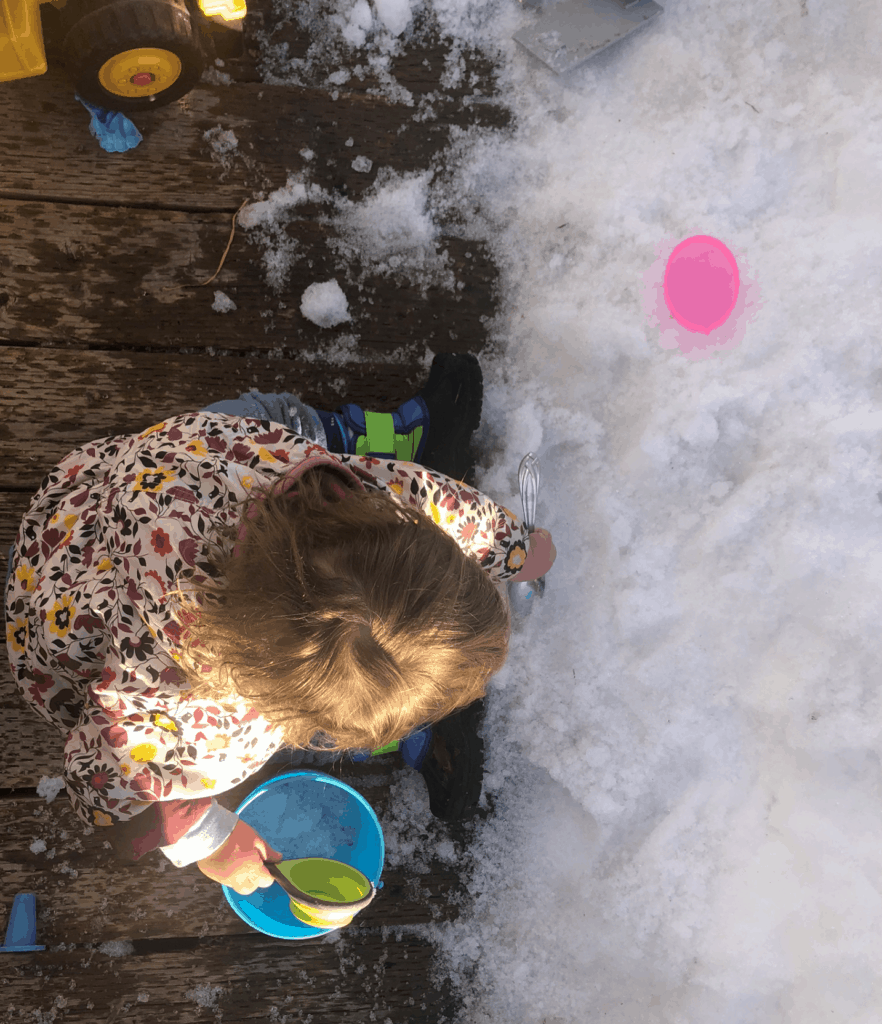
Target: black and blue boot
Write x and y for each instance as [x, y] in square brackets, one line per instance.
[450, 757]
[434, 428]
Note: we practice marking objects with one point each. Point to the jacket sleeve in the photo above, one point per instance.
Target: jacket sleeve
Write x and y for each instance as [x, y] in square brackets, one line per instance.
[134, 775]
[184, 830]
[484, 529]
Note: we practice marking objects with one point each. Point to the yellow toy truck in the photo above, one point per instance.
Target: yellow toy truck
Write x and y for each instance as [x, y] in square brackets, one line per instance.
[124, 55]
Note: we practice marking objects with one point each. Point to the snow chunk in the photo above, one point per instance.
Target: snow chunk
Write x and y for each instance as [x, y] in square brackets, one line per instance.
[325, 304]
[362, 164]
[212, 76]
[223, 145]
[223, 303]
[50, 788]
[358, 24]
[38, 846]
[394, 14]
[222, 142]
[205, 995]
[118, 947]
[278, 203]
[393, 219]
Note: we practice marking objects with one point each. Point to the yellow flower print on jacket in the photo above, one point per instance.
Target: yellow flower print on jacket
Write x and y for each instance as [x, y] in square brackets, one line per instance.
[61, 615]
[143, 752]
[164, 722]
[198, 447]
[17, 634]
[25, 576]
[209, 783]
[152, 430]
[517, 555]
[153, 479]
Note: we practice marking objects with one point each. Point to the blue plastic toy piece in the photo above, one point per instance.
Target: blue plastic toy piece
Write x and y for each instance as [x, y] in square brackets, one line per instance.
[413, 749]
[114, 131]
[21, 932]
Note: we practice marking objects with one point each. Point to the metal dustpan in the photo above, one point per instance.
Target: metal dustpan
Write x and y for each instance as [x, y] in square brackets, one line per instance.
[570, 32]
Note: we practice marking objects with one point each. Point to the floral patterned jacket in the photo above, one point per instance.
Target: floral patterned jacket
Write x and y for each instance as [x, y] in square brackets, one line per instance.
[91, 639]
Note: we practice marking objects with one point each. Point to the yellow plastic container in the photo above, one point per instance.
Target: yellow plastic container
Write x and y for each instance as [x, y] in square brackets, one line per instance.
[22, 53]
[229, 10]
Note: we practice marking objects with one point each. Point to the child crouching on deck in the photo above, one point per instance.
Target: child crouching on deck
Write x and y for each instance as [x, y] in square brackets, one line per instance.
[183, 603]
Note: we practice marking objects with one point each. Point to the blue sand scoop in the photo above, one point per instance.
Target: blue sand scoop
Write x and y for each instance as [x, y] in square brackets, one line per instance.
[21, 932]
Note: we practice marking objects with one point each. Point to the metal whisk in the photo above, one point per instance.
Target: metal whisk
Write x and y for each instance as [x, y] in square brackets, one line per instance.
[521, 594]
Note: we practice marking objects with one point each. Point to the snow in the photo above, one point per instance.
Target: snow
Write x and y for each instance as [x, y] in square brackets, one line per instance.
[394, 14]
[50, 787]
[684, 744]
[116, 947]
[683, 748]
[325, 304]
[362, 164]
[221, 141]
[205, 996]
[222, 303]
[269, 211]
[394, 217]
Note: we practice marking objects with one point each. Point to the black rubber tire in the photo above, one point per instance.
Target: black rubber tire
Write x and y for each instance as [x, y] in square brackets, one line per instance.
[126, 24]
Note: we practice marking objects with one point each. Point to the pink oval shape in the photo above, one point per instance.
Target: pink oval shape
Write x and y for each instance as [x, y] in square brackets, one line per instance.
[701, 283]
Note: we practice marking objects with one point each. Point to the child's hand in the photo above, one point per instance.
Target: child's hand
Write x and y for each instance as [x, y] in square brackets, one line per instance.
[540, 557]
[239, 862]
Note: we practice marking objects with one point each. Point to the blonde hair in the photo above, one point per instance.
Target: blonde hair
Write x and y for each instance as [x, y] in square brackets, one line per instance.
[347, 621]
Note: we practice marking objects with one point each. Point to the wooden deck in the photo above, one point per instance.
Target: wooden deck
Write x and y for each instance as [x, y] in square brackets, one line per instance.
[104, 330]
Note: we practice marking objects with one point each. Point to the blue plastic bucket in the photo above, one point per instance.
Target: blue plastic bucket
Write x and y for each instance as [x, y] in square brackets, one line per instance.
[306, 814]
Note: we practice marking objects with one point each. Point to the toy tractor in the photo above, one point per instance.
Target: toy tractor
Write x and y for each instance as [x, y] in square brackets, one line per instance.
[125, 55]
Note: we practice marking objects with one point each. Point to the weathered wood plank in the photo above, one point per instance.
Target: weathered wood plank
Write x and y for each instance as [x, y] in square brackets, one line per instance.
[86, 894]
[121, 278]
[62, 398]
[12, 507]
[49, 153]
[37, 750]
[357, 978]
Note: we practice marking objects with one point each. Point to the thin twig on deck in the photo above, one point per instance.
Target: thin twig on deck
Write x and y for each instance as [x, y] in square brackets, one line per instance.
[229, 243]
[201, 284]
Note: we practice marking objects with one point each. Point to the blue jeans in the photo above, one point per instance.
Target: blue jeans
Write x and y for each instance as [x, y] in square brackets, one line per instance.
[280, 407]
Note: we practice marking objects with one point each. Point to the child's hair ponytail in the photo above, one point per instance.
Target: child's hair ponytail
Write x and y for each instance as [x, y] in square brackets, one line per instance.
[347, 622]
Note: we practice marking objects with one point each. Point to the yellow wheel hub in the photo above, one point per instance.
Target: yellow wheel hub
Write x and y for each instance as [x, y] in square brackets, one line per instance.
[144, 71]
